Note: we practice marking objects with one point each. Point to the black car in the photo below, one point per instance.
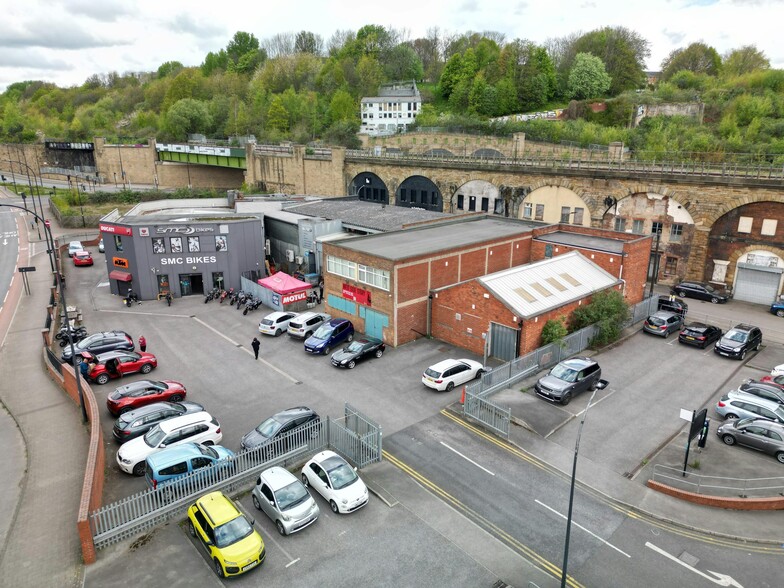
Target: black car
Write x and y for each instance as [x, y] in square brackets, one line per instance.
[357, 351]
[140, 420]
[738, 341]
[277, 427]
[672, 304]
[700, 291]
[768, 391]
[99, 343]
[699, 334]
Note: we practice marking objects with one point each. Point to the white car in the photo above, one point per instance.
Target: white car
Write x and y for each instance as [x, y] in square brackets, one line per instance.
[276, 323]
[284, 500]
[306, 324]
[777, 371]
[338, 483]
[198, 427]
[449, 373]
[101, 246]
[73, 247]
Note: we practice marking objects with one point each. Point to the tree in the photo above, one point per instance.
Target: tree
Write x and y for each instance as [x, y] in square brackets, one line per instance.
[607, 310]
[240, 44]
[169, 68]
[451, 75]
[214, 62]
[554, 331]
[277, 115]
[370, 75]
[342, 108]
[187, 116]
[623, 53]
[744, 60]
[307, 42]
[697, 57]
[587, 78]
[403, 63]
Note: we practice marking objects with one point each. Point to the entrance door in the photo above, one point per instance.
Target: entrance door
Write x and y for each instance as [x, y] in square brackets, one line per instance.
[191, 284]
[375, 323]
[503, 342]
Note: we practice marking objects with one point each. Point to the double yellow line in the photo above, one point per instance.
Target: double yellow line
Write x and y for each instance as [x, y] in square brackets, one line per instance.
[536, 559]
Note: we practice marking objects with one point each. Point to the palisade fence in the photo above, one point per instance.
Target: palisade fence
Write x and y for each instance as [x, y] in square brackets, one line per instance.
[354, 436]
[495, 417]
[718, 485]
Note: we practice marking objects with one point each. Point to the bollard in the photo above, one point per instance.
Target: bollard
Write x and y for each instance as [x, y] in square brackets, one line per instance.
[462, 396]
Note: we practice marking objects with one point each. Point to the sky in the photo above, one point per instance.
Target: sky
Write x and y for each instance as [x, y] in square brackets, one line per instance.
[67, 41]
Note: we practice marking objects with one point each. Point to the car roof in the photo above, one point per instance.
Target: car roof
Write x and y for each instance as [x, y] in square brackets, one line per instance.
[752, 399]
[75, 243]
[218, 508]
[744, 327]
[171, 424]
[292, 413]
[337, 321]
[664, 314]
[277, 477]
[367, 340]
[82, 252]
[144, 410]
[446, 363]
[174, 453]
[280, 313]
[698, 326]
[579, 361]
[110, 354]
[309, 315]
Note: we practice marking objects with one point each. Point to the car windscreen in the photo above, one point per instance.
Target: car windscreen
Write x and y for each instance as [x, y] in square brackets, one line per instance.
[291, 495]
[267, 322]
[737, 336]
[432, 373]
[710, 289]
[208, 451]
[323, 332]
[154, 436]
[355, 347]
[565, 373]
[231, 532]
[655, 321]
[269, 428]
[340, 473]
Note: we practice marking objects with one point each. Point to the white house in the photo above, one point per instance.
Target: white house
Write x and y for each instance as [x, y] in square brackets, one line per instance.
[396, 107]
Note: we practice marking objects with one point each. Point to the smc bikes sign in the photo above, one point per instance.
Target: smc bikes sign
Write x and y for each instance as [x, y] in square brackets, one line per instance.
[187, 230]
[188, 260]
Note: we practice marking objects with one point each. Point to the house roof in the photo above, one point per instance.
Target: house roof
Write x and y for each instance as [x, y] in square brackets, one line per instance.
[365, 215]
[533, 289]
[595, 242]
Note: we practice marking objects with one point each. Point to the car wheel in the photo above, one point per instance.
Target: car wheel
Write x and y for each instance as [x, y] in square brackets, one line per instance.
[449, 386]
[780, 456]
[728, 439]
[304, 480]
[666, 334]
[479, 374]
[208, 443]
[191, 528]
[682, 294]
[714, 300]
[125, 409]
[379, 353]
[281, 528]
[218, 568]
[758, 346]
[139, 468]
[350, 338]
[175, 398]
[743, 355]
[351, 365]
[278, 332]
[566, 398]
[256, 502]
[327, 349]
[780, 312]
[731, 417]
[102, 379]
[334, 506]
[146, 368]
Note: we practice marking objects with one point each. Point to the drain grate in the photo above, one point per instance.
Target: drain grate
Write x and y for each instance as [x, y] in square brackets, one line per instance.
[688, 558]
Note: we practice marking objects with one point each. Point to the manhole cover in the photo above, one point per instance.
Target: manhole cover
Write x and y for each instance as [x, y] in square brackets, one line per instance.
[688, 558]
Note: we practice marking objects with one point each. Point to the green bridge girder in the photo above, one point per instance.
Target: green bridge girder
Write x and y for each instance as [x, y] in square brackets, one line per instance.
[232, 161]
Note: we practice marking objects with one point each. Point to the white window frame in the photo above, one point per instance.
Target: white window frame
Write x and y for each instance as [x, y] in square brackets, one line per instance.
[373, 277]
[342, 267]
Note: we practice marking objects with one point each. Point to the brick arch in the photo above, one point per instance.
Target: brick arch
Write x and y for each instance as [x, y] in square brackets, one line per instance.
[587, 197]
[560, 183]
[737, 202]
[664, 191]
[736, 255]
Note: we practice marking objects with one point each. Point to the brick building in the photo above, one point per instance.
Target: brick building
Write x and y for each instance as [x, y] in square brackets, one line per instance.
[384, 283]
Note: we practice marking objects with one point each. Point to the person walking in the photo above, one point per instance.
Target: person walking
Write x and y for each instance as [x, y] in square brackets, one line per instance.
[321, 289]
[142, 343]
[255, 344]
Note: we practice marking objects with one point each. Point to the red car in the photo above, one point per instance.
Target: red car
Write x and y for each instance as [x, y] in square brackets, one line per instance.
[114, 364]
[777, 380]
[143, 392]
[82, 258]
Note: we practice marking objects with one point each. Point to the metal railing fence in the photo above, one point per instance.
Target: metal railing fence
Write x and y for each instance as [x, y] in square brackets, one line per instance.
[718, 485]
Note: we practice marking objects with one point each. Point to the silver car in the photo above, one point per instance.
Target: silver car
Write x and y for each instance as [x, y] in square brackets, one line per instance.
[663, 323]
[759, 434]
[737, 405]
[283, 498]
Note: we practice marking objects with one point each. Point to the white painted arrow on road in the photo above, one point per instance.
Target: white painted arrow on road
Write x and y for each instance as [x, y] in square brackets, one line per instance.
[720, 579]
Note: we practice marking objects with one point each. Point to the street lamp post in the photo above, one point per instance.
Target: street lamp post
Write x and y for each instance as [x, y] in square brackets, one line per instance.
[68, 331]
[30, 184]
[600, 385]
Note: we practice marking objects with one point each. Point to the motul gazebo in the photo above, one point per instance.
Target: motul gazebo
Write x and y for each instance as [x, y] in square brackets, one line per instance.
[284, 292]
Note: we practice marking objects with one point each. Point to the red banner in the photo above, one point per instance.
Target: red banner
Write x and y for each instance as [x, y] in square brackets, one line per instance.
[115, 230]
[356, 294]
[294, 297]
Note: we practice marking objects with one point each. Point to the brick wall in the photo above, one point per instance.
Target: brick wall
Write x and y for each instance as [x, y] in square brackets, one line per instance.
[412, 281]
[774, 503]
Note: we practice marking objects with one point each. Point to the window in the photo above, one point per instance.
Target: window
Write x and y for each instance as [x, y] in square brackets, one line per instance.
[472, 203]
[118, 243]
[656, 228]
[217, 280]
[676, 231]
[175, 244]
[403, 195]
[769, 226]
[539, 212]
[578, 216]
[220, 242]
[485, 204]
[744, 224]
[528, 210]
[342, 267]
[460, 198]
[194, 245]
[637, 226]
[565, 213]
[620, 224]
[498, 206]
[671, 265]
[374, 277]
[163, 283]
[158, 245]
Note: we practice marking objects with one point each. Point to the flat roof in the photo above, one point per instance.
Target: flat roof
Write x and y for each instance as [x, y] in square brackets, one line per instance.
[439, 237]
[594, 242]
[366, 215]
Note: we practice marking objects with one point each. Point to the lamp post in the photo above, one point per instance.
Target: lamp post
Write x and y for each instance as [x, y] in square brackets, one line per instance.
[68, 330]
[600, 385]
[30, 184]
[655, 262]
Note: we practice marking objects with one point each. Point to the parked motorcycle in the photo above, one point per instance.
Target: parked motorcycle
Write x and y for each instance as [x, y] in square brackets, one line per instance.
[251, 304]
[212, 295]
[243, 298]
[235, 296]
[226, 294]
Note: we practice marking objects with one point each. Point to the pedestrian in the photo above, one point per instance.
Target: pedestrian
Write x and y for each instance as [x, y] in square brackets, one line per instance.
[255, 344]
[142, 343]
[321, 289]
[84, 368]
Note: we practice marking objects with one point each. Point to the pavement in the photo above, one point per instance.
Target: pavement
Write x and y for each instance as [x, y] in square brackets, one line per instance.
[45, 446]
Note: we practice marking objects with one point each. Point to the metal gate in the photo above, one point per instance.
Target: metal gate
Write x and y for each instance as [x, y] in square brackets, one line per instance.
[375, 323]
[755, 283]
[357, 437]
[504, 342]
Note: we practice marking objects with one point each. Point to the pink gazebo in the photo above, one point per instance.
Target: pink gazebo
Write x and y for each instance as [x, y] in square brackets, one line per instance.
[285, 292]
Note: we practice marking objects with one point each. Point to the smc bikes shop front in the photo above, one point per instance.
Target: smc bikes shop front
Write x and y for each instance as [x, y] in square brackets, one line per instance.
[181, 258]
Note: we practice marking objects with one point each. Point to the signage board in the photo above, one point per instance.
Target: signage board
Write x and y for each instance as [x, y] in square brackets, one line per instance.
[294, 297]
[120, 262]
[29, 268]
[115, 230]
[356, 294]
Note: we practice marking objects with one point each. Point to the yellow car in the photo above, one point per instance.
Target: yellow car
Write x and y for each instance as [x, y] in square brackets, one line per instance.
[231, 541]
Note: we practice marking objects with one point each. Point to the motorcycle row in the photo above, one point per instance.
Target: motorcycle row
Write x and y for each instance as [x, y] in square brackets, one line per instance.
[238, 298]
[77, 334]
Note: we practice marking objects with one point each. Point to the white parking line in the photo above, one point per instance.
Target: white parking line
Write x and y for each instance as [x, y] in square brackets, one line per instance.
[467, 458]
[291, 563]
[583, 528]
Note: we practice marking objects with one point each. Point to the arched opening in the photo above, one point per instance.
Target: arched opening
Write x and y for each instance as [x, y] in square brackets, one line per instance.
[419, 192]
[439, 153]
[485, 153]
[477, 196]
[368, 187]
[555, 204]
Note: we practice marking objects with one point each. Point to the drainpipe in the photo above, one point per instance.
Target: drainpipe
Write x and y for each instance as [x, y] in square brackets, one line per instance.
[429, 313]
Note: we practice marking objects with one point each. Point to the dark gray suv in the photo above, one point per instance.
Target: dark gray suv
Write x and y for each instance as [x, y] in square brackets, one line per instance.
[738, 341]
[99, 343]
[569, 378]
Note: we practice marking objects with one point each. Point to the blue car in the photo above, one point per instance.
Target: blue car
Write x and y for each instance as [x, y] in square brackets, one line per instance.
[777, 308]
[331, 334]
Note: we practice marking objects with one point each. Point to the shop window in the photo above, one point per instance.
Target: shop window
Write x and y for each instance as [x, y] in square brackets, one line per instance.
[528, 210]
[539, 212]
[217, 280]
[193, 245]
[158, 245]
[220, 243]
[163, 283]
[638, 226]
[671, 266]
[676, 233]
[620, 224]
[175, 244]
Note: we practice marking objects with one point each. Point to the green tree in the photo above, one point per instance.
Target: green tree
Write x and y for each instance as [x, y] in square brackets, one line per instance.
[277, 115]
[370, 75]
[744, 60]
[215, 62]
[342, 108]
[307, 42]
[607, 310]
[187, 116]
[587, 78]
[554, 331]
[451, 76]
[169, 68]
[697, 57]
[403, 63]
[241, 44]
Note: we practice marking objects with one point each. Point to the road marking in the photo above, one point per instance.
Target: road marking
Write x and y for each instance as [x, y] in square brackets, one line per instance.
[720, 579]
[592, 534]
[291, 563]
[467, 458]
[533, 557]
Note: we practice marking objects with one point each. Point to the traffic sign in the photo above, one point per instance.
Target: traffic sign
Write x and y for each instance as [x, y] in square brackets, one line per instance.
[29, 268]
